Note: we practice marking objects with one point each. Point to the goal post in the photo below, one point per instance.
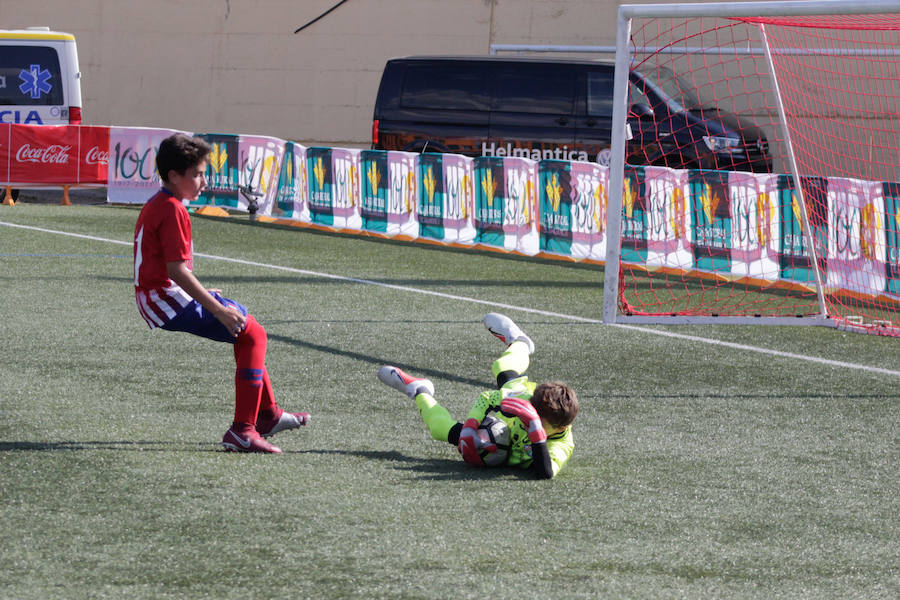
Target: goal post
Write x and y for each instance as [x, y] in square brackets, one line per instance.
[759, 183]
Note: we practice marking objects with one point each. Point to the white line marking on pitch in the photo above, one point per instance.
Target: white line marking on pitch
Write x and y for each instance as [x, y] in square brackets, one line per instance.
[403, 288]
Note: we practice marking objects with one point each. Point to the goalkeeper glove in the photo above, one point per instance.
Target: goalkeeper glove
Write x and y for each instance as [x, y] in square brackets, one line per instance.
[524, 410]
[471, 444]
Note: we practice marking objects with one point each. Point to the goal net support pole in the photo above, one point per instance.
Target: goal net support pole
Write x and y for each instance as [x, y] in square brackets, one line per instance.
[795, 171]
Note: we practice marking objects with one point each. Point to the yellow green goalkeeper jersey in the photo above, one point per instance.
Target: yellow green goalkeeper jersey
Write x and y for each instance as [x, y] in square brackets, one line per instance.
[560, 445]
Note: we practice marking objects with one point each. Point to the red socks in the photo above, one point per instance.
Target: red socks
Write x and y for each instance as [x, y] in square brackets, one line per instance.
[267, 406]
[250, 377]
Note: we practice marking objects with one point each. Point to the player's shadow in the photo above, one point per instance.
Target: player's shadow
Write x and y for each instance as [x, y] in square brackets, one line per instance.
[419, 247]
[422, 468]
[226, 280]
[121, 445]
[429, 468]
[373, 360]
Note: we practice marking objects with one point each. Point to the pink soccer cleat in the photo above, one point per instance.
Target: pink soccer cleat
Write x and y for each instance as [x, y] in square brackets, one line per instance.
[249, 442]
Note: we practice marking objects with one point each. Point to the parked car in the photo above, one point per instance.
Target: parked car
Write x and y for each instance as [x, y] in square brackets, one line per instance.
[554, 109]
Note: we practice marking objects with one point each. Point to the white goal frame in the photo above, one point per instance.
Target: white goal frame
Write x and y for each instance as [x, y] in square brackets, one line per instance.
[617, 162]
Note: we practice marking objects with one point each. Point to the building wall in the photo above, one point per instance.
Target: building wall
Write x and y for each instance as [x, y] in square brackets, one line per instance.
[236, 66]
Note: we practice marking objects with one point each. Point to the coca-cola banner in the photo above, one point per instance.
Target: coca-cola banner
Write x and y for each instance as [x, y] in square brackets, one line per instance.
[45, 154]
[49, 154]
[93, 154]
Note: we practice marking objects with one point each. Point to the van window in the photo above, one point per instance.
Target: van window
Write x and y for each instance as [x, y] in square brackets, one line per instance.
[600, 93]
[637, 96]
[536, 89]
[678, 95]
[30, 76]
[445, 86]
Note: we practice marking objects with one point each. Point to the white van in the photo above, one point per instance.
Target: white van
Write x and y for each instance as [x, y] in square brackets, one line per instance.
[40, 83]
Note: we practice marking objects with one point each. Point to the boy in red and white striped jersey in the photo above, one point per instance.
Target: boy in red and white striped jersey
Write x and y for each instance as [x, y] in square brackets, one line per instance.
[170, 297]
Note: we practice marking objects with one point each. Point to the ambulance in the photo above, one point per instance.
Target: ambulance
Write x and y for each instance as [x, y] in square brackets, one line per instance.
[40, 83]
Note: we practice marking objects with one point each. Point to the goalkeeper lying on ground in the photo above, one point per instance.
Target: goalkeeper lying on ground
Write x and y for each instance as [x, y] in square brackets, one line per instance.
[538, 416]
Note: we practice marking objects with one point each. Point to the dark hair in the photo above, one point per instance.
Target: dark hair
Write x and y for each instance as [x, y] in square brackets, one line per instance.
[556, 403]
[179, 152]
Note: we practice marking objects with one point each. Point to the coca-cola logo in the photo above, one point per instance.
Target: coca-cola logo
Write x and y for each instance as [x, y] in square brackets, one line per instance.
[96, 156]
[56, 154]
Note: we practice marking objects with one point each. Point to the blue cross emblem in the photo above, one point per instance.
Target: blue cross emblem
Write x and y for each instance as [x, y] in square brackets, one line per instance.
[35, 81]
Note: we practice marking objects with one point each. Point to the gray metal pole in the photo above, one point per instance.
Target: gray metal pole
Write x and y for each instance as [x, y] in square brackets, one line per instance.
[795, 172]
[616, 171]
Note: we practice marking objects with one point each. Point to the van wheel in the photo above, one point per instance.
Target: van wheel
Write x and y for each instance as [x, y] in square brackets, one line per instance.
[426, 146]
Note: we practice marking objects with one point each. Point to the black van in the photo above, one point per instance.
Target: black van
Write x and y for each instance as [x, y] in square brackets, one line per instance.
[554, 109]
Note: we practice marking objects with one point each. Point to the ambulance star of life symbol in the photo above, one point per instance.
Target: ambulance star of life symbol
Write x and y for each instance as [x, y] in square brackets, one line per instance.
[35, 81]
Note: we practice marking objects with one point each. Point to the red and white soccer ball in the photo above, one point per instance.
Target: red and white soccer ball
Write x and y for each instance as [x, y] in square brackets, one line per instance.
[494, 431]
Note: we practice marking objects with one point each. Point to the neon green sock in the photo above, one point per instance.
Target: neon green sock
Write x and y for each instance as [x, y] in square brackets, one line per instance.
[514, 360]
[436, 417]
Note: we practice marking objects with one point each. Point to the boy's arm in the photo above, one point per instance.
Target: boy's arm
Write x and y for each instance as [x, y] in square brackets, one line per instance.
[466, 439]
[229, 316]
[486, 400]
[541, 465]
[550, 456]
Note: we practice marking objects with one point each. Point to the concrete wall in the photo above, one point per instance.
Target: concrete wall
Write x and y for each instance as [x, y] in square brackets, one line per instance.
[236, 66]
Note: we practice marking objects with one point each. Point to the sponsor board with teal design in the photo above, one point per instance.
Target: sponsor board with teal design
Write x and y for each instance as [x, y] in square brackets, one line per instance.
[891, 193]
[321, 185]
[794, 256]
[490, 200]
[585, 205]
[374, 190]
[287, 183]
[710, 205]
[555, 183]
[634, 216]
[222, 170]
[430, 204]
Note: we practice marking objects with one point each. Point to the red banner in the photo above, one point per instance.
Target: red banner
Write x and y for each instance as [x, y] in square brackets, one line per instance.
[5, 133]
[93, 156]
[54, 154]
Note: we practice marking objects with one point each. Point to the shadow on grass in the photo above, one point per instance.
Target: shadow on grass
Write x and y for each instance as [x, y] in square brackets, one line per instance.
[740, 396]
[417, 282]
[422, 468]
[378, 240]
[414, 282]
[131, 446]
[418, 370]
[428, 468]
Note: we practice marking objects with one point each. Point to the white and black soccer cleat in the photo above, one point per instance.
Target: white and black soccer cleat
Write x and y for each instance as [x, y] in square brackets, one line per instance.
[403, 382]
[504, 329]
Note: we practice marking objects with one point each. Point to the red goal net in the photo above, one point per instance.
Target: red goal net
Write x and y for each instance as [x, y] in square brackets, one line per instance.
[761, 177]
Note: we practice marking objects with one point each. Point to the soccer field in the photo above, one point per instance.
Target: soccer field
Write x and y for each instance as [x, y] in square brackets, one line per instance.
[710, 462]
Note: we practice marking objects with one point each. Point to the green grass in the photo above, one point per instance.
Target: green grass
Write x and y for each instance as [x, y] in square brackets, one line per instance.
[700, 471]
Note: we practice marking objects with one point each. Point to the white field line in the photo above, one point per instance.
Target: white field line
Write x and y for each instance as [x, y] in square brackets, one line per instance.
[403, 288]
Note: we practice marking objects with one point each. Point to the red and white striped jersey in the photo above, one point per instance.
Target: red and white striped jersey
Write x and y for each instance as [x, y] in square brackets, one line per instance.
[162, 234]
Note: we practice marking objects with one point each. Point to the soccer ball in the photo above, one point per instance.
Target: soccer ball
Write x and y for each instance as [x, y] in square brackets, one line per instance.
[494, 431]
